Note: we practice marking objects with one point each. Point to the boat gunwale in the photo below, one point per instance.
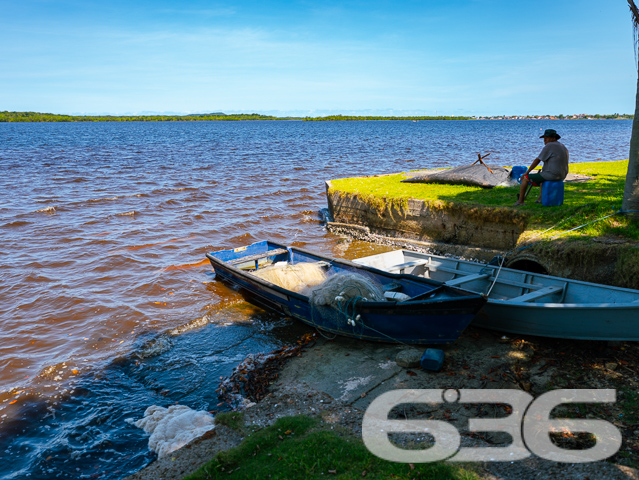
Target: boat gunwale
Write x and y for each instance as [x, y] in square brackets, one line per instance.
[567, 305]
[543, 275]
[467, 295]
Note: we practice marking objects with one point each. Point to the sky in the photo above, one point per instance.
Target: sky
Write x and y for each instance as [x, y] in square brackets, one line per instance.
[369, 57]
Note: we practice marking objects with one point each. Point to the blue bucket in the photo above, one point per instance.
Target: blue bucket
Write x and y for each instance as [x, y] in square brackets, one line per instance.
[517, 172]
[433, 359]
[552, 193]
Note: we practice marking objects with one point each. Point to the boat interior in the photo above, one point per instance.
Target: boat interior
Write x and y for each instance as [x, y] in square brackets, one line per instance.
[499, 283]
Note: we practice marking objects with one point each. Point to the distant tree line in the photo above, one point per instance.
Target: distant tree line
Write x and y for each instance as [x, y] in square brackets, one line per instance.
[52, 117]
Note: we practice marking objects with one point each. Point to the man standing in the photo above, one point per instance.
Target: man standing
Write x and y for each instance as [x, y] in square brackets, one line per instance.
[555, 158]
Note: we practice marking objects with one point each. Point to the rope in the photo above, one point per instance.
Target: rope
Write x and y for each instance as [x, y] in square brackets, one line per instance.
[557, 224]
[315, 324]
[584, 225]
[620, 212]
[349, 311]
[324, 335]
[387, 336]
[503, 259]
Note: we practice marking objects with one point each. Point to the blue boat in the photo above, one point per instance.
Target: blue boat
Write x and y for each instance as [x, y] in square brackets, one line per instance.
[412, 310]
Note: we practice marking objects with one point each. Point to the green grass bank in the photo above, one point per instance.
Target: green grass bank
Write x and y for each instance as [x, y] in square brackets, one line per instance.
[586, 238]
[583, 201]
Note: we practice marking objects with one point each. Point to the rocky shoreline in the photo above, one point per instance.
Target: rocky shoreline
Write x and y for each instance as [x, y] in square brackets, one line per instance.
[337, 379]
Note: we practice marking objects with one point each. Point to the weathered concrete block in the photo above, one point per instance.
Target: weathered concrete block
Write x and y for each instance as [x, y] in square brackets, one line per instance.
[421, 220]
[408, 358]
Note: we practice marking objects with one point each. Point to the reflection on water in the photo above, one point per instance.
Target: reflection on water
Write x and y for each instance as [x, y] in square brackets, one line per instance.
[108, 303]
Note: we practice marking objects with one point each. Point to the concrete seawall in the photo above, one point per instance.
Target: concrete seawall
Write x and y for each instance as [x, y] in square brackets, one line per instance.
[420, 220]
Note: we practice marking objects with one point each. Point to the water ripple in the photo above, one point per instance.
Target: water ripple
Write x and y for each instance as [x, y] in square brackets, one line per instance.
[108, 304]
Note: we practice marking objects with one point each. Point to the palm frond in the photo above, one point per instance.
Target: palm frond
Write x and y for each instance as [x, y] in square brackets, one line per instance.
[634, 11]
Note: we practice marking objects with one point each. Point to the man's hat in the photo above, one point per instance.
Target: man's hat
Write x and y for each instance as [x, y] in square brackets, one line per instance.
[551, 133]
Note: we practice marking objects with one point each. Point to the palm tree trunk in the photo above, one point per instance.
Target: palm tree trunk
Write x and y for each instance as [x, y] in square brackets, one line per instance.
[631, 191]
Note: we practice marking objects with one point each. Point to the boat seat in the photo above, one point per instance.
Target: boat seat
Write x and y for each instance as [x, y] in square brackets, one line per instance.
[402, 266]
[441, 268]
[542, 292]
[467, 278]
[509, 282]
[257, 256]
[392, 287]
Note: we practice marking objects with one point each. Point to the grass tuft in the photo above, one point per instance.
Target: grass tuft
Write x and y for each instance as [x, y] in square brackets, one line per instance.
[233, 420]
[303, 448]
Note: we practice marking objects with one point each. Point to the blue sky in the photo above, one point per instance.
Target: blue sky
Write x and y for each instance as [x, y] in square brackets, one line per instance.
[452, 57]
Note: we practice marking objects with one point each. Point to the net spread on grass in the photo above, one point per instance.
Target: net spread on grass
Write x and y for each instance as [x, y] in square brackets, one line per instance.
[474, 175]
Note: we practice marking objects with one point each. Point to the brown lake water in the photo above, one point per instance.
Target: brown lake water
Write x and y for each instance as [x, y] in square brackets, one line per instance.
[108, 305]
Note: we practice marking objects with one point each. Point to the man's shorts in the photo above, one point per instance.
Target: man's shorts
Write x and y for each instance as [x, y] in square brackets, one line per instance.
[535, 178]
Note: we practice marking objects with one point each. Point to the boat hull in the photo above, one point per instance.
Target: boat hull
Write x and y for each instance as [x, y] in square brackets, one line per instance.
[573, 310]
[578, 322]
[438, 319]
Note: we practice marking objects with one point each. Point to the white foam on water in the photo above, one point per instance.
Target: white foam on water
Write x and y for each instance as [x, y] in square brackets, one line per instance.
[48, 210]
[198, 322]
[103, 199]
[155, 347]
[172, 428]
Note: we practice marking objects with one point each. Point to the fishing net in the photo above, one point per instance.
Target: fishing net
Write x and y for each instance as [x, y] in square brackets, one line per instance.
[293, 277]
[474, 175]
[338, 289]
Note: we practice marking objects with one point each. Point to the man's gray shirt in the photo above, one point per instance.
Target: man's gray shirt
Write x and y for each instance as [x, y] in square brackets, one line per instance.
[555, 158]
